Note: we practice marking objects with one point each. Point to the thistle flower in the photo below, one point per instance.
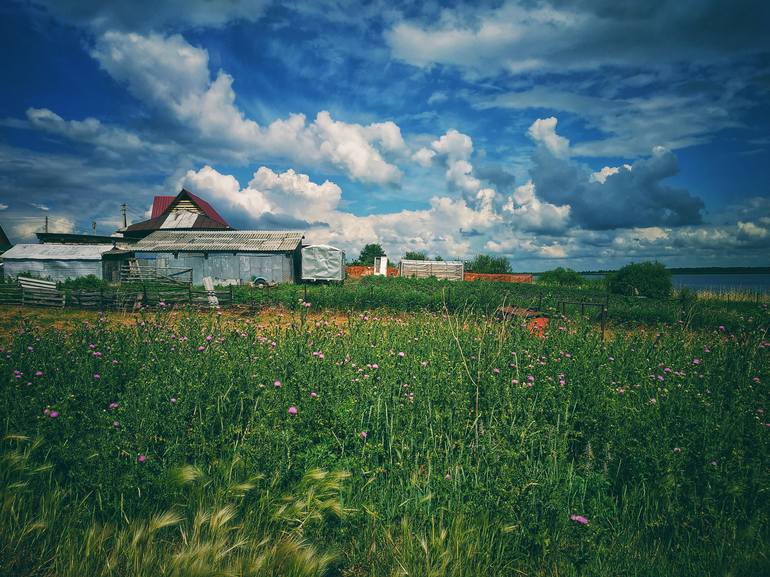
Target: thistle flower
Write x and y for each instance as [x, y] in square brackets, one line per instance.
[292, 410]
[401, 354]
[53, 414]
[579, 519]
[38, 373]
[141, 459]
[114, 406]
[313, 394]
[277, 384]
[362, 435]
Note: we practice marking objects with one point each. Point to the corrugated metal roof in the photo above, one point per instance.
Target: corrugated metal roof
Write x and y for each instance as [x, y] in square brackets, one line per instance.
[51, 251]
[220, 240]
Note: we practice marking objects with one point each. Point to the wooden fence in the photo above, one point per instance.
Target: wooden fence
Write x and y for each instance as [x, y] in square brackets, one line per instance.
[122, 298]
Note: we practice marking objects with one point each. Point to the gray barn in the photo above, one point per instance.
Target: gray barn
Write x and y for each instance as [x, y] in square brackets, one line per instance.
[57, 262]
[225, 255]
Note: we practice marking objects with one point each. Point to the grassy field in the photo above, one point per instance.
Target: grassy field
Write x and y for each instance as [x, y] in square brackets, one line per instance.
[363, 444]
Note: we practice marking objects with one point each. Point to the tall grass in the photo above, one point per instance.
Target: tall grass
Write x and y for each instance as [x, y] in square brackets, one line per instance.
[421, 445]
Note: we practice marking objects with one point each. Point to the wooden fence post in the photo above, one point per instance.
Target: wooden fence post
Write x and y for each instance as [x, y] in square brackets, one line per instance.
[604, 322]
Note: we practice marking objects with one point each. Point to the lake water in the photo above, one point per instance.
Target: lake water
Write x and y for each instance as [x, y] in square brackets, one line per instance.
[717, 282]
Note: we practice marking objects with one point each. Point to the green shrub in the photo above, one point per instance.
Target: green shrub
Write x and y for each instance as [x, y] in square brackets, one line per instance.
[562, 277]
[648, 279]
[486, 264]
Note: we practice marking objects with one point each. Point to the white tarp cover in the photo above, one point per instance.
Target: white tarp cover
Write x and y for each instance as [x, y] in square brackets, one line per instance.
[323, 262]
[444, 269]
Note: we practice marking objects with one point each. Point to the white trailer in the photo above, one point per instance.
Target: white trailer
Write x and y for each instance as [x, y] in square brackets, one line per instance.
[321, 262]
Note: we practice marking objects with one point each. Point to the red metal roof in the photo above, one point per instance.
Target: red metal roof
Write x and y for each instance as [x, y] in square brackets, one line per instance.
[161, 204]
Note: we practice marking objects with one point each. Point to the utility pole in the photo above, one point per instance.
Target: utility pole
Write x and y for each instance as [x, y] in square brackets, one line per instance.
[93, 226]
[46, 223]
[123, 208]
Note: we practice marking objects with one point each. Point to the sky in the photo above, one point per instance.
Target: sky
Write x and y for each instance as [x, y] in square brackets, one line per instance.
[585, 134]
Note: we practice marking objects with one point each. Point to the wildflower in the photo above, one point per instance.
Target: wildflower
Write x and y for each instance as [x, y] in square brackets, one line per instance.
[696, 361]
[201, 348]
[30, 349]
[496, 371]
[579, 519]
[97, 354]
[401, 354]
[92, 346]
[114, 406]
[313, 394]
[208, 338]
[173, 400]
[46, 411]
[653, 401]
[677, 450]
[447, 476]
[116, 424]
[362, 435]
[277, 384]
[53, 414]
[515, 382]
[141, 459]
[292, 410]
[97, 376]
[38, 373]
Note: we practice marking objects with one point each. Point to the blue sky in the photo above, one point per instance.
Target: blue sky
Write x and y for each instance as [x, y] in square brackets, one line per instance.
[585, 133]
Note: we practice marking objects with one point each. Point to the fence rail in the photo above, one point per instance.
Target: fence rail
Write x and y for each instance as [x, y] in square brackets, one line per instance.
[120, 298]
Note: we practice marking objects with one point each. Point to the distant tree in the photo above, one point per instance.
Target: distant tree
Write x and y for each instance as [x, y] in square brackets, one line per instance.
[486, 264]
[368, 253]
[561, 276]
[438, 258]
[648, 279]
[415, 255]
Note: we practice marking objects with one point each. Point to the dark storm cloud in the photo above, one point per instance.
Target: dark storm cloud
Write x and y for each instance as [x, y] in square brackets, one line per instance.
[632, 197]
[496, 176]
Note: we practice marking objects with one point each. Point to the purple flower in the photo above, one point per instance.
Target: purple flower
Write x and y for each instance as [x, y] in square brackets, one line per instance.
[46, 411]
[313, 394]
[114, 405]
[363, 434]
[579, 519]
[401, 354]
[208, 338]
[292, 410]
[38, 373]
[97, 376]
[277, 384]
[696, 361]
[141, 459]
[53, 414]
[201, 348]
[173, 400]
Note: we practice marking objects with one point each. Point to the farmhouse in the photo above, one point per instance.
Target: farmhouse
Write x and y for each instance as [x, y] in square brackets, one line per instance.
[227, 256]
[185, 211]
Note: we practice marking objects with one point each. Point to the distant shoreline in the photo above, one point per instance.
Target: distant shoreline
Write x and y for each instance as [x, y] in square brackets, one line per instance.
[692, 270]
